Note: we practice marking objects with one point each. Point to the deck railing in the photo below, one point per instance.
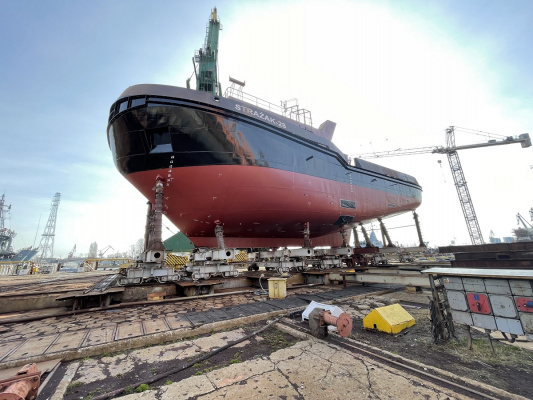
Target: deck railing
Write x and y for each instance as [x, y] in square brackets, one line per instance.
[292, 112]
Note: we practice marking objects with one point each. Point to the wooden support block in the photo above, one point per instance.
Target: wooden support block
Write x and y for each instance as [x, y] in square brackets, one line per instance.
[414, 289]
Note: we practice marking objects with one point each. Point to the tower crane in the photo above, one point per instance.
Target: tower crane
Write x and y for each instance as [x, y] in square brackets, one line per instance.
[457, 171]
[47, 239]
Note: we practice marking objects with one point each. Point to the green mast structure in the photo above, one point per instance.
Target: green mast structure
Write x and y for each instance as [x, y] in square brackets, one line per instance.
[207, 59]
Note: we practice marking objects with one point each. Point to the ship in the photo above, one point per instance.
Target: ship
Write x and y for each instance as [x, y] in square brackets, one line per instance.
[7, 235]
[260, 171]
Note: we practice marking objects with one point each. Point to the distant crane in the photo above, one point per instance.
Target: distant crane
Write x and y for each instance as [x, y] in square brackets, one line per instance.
[47, 239]
[457, 171]
[520, 219]
[71, 254]
[523, 234]
[103, 251]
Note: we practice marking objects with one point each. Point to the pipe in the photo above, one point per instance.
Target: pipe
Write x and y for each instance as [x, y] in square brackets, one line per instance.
[189, 364]
[512, 339]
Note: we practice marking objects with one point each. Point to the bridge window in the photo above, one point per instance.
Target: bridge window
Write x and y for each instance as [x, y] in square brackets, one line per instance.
[138, 102]
[123, 105]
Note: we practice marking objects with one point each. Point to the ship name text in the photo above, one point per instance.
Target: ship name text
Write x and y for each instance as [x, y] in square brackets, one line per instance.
[260, 115]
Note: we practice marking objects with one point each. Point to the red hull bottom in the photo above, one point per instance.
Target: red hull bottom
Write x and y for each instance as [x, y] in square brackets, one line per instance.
[263, 207]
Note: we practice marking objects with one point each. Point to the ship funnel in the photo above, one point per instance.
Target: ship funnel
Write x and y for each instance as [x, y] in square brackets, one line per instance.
[326, 129]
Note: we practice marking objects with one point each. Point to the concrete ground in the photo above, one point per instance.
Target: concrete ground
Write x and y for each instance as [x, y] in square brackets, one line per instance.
[307, 370]
[310, 369]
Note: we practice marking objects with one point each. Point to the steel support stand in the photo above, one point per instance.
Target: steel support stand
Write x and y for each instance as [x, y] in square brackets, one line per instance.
[147, 227]
[386, 237]
[344, 236]
[356, 242]
[418, 230]
[365, 234]
[307, 238]
[219, 233]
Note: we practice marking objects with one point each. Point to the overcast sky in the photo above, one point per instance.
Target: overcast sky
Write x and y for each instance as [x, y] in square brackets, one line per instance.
[390, 74]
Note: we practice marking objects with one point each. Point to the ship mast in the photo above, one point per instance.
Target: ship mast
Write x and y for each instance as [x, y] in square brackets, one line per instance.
[207, 59]
[6, 234]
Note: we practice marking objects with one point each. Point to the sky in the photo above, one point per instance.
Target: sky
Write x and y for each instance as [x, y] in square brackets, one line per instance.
[391, 74]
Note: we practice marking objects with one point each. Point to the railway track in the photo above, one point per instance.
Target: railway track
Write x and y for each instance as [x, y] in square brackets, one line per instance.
[48, 286]
[436, 376]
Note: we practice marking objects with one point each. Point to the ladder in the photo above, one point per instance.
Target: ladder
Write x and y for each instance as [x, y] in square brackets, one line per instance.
[442, 326]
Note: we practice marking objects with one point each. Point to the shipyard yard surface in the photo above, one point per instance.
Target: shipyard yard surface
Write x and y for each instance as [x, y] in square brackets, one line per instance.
[120, 348]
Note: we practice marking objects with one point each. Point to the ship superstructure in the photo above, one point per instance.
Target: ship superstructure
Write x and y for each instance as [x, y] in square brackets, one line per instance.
[6, 234]
[236, 163]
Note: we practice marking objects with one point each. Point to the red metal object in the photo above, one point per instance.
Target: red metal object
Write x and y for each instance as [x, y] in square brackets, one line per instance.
[478, 303]
[23, 386]
[343, 322]
[525, 304]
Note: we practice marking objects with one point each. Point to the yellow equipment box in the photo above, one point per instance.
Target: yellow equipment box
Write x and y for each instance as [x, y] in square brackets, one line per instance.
[277, 288]
[390, 319]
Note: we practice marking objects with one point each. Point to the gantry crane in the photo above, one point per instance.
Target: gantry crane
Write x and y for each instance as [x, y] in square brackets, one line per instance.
[457, 171]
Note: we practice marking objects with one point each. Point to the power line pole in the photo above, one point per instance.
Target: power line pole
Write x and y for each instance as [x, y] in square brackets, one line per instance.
[47, 240]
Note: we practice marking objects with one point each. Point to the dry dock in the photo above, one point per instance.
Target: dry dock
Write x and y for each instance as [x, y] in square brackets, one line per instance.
[103, 349]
